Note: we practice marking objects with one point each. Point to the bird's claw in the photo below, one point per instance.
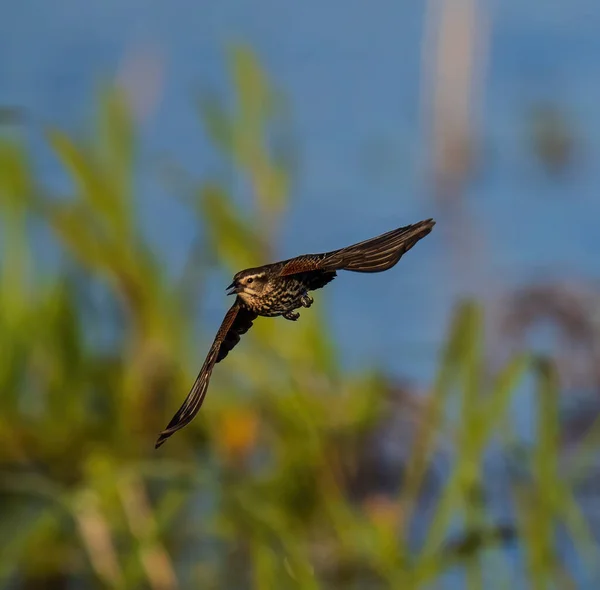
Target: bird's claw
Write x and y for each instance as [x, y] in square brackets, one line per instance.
[306, 300]
[291, 315]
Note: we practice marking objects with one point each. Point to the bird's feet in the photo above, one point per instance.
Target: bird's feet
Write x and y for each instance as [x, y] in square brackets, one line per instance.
[306, 300]
[291, 315]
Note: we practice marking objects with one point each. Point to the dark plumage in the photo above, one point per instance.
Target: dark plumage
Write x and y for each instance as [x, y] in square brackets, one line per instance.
[280, 288]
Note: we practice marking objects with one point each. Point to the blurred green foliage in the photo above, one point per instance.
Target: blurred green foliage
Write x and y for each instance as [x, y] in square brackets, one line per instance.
[259, 491]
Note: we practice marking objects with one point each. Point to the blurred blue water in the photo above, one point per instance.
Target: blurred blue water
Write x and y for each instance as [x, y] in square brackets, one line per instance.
[352, 72]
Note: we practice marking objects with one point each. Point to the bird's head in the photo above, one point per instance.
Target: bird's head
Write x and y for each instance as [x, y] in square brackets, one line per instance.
[248, 284]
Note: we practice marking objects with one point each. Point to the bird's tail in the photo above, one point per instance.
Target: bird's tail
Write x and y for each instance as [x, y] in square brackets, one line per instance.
[384, 251]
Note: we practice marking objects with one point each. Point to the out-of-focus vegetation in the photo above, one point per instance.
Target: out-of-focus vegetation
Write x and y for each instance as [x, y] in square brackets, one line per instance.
[277, 483]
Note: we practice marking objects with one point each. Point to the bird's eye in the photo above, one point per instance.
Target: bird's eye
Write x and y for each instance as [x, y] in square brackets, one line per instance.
[249, 280]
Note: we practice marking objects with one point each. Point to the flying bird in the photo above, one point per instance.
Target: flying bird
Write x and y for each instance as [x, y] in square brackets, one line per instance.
[280, 288]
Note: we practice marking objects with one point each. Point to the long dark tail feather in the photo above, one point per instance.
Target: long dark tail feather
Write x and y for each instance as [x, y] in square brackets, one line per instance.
[190, 406]
[384, 251]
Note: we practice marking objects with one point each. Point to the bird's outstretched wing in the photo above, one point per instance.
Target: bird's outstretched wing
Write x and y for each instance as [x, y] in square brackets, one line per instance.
[237, 321]
[373, 255]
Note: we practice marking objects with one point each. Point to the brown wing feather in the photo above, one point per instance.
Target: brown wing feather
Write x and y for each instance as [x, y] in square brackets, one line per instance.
[316, 279]
[373, 255]
[237, 321]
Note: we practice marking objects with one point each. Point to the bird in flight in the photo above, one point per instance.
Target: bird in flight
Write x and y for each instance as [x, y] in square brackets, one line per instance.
[280, 288]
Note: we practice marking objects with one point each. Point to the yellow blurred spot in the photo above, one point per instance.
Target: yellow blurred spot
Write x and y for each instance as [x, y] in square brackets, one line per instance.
[383, 511]
[237, 432]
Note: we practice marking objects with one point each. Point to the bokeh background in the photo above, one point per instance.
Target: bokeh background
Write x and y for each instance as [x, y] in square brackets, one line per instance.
[435, 426]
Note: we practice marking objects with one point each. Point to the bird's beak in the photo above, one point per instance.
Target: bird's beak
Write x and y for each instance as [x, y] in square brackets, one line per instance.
[232, 289]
